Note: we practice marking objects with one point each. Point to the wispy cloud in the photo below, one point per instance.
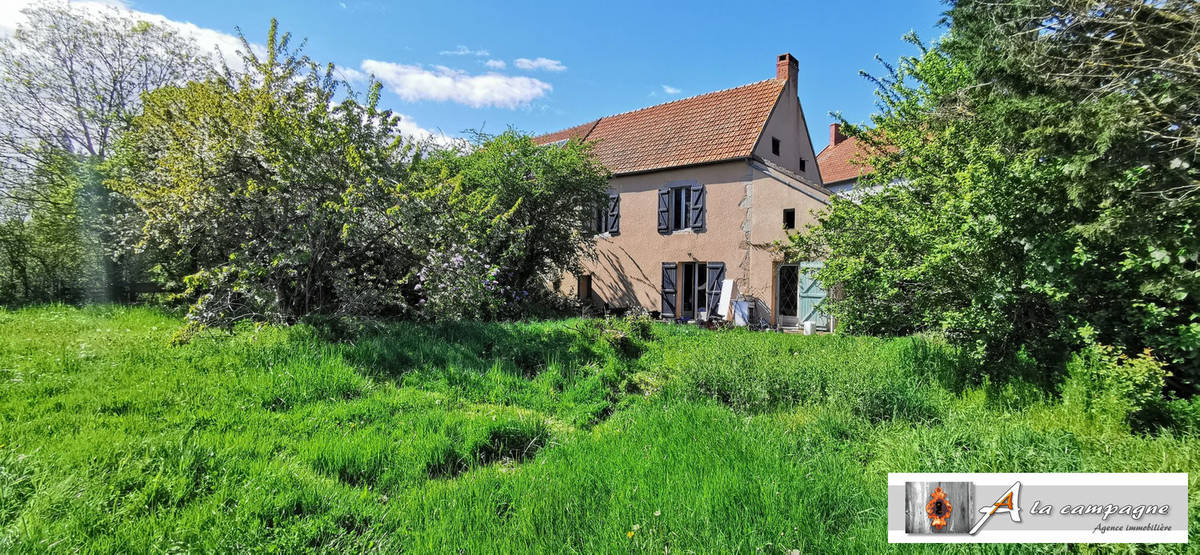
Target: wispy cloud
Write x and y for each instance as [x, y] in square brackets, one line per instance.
[464, 51]
[671, 90]
[351, 75]
[545, 64]
[409, 128]
[440, 83]
[495, 64]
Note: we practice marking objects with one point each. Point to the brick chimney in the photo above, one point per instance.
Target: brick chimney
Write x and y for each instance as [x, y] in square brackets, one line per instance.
[787, 68]
[835, 134]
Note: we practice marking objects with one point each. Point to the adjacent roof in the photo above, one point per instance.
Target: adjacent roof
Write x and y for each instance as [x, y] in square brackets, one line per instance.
[837, 161]
[711, 127]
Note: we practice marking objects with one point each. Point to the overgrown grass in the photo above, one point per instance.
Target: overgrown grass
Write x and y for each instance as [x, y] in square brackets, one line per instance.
[554, 436]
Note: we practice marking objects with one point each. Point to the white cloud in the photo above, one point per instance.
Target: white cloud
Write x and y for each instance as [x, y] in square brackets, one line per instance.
[211, 41]
[539, 63]
[409, 128]
[11, 16]
[414, 82]
[464, 51]
[495, 64]
[671, 90]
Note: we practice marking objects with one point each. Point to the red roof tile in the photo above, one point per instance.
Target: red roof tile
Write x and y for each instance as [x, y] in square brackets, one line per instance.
[843, 161]
[720, 125]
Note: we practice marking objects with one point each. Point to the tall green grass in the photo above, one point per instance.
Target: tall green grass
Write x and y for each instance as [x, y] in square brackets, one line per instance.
[545, 436]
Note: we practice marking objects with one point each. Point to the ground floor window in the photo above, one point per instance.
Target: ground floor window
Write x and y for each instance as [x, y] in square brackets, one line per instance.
[583, 287]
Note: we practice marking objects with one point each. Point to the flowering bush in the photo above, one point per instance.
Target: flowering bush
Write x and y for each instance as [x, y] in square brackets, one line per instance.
[279, 202]
[459, 284]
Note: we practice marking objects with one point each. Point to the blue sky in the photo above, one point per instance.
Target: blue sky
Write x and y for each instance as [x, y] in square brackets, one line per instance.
[557, 64]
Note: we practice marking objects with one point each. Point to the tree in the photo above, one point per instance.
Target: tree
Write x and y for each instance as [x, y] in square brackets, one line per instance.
[1024, 206]
[1145, 51]
[281, 196]
[69, 81]
[530, 211]
[266, 189]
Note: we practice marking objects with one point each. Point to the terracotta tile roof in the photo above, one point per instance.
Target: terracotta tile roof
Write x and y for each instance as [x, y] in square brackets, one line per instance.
[838, 162]
[707, 128]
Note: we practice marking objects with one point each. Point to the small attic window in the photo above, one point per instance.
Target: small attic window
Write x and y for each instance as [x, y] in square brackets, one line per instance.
[774, 146]
[802, 165]
[789, 218]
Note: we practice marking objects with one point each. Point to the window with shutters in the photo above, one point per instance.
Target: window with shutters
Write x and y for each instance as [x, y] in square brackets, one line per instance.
[608, 216]
[691, 290]
[680, 207]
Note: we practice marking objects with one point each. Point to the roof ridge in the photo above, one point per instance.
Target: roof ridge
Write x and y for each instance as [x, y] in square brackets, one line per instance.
[597, 120]
[592, 122]
[704, 128]
[691, 97]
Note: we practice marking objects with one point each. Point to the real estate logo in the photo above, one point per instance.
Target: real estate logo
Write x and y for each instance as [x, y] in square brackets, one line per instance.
[1094, 508]
[938, 508]
[1009, 503]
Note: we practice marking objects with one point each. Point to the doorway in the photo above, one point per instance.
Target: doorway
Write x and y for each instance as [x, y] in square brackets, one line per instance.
[695, 285]
[799, 296]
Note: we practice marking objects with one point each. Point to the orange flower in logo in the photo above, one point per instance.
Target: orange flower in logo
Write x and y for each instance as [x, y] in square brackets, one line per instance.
[938, 508]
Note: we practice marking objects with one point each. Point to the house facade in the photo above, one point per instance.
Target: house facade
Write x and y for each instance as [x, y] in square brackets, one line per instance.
[701, 188]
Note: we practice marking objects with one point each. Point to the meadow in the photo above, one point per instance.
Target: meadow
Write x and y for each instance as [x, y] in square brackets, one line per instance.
[564, 436]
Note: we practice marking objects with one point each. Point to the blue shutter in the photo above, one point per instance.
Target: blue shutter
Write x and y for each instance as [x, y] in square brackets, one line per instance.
[716, 275]
[668, 289]
[614, 214]
[696, 220]
[664, 210]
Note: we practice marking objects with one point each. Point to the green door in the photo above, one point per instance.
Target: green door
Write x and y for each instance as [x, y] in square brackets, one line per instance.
[811, 296]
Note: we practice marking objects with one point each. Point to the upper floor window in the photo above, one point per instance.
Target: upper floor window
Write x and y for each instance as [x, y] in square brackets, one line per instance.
[802, 164]
[789, 218]
[681, 207]
[775, 146]
[608, 216]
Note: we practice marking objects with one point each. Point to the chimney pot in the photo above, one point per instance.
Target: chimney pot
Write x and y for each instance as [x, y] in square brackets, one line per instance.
[835, 134]
[787, 68]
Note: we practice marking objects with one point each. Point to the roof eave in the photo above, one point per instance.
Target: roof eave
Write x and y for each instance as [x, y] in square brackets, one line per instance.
[819, 187]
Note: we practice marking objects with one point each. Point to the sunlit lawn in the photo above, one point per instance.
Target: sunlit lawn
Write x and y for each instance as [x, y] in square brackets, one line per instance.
[548, 437]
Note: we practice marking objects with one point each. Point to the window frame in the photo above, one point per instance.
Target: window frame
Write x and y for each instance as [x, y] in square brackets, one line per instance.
[600, 222]
[692, 286]
[680, 204]
[776, 146]
[682, 207]
[786, 223]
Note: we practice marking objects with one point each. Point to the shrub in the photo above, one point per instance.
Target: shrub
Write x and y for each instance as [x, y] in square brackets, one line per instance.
[1110, 387]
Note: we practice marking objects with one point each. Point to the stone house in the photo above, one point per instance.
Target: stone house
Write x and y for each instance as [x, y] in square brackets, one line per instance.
[700, 189]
